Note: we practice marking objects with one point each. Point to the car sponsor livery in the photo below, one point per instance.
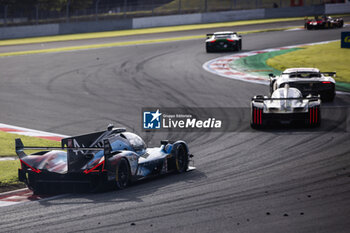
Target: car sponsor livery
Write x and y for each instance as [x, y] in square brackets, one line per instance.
[95, 161]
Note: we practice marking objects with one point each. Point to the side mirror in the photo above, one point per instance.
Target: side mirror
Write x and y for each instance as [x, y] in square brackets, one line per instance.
[107, 148]
[164, 142]
[271, 75]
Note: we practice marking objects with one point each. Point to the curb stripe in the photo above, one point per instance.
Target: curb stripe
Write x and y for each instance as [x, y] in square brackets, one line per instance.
[221, 66]
[31, 132]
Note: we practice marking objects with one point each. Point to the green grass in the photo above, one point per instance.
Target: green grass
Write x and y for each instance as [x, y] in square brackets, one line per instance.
[9, 168]
[9, 172]
[326, 57]
[7, 143]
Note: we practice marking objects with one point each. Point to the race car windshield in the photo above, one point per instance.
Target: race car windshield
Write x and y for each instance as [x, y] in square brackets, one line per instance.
[225, 36]
[136, 142]
[305, 75]
[291, 93]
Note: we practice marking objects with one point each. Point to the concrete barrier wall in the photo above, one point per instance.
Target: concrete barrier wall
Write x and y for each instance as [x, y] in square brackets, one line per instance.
[29, 31]
[294, 11]
[170, 20]
[94, 26]
[213, 17]
[338, 8]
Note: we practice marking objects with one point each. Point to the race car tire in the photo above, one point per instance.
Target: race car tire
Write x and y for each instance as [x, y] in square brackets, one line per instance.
[272, 83]
[209, 50]
[122, 174]
[181, 158]
[240, 45]
[328, 96]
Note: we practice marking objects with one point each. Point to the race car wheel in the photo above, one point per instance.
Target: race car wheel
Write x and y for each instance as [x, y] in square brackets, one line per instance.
[209, 50]
[122, 174]
[181, 158]
[328, 96]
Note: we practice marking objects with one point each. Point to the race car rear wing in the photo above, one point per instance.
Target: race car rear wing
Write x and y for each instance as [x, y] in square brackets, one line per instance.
[332, 74]
[20, 148]
[211, 34]
[263, 98]
[76, 145]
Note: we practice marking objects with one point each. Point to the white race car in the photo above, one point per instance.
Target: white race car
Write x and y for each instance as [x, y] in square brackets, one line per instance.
[223, 41]
[285, 106]
[307, 80]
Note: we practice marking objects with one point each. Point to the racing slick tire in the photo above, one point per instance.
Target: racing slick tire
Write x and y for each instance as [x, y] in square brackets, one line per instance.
[328, 96]
[122, 174]
[181, 158]
[209, 50]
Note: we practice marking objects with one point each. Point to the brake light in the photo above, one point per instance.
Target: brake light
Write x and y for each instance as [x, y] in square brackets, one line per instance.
[212, 41]
[230, 40]
[326, 82]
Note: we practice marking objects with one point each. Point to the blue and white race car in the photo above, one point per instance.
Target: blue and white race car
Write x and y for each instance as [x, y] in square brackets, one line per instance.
[92, 162]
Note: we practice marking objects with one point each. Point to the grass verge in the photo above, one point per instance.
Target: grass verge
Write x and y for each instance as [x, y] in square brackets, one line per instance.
[7, 143]
[9, 175]
[9, 168]
[326, 57]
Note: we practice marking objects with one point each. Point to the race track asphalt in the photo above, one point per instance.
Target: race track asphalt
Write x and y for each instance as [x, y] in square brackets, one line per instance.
[254, 181]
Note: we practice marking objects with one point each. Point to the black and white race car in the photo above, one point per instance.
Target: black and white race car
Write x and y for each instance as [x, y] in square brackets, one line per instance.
[95, 161]
[286, 106]
[223, 41]
[307, 80]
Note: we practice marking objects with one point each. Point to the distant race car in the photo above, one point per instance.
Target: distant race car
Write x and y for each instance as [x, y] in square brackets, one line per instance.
[323, 22]
[307, 80]
[92, 162]
[223, 41]
[286, 106]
